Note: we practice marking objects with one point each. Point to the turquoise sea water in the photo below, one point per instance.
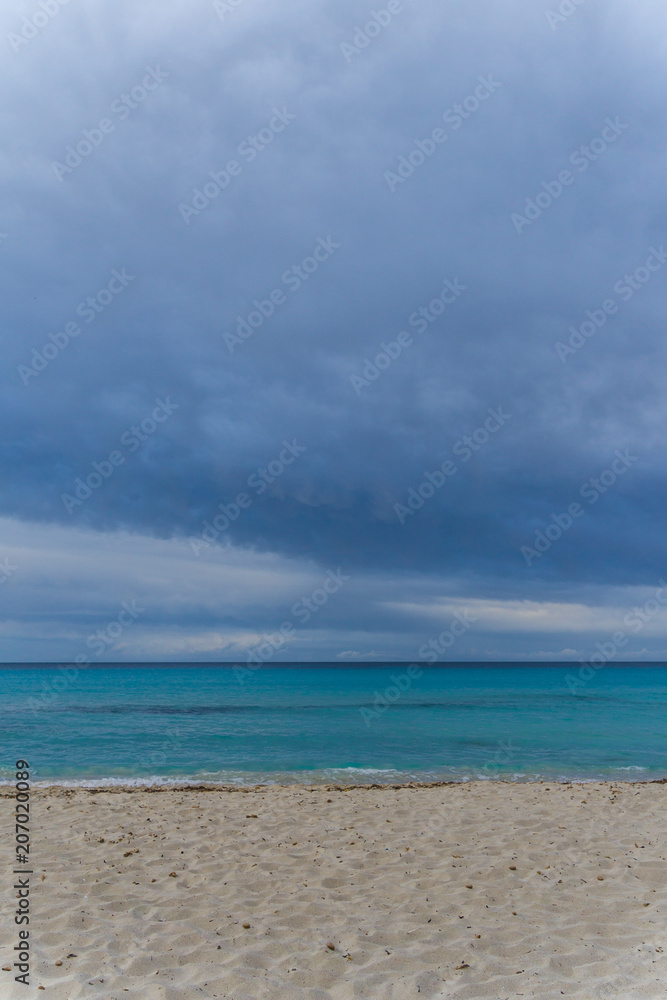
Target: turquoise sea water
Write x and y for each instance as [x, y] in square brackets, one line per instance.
[155, 723]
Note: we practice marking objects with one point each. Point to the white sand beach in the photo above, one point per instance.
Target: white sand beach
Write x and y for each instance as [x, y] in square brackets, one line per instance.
[481, 891]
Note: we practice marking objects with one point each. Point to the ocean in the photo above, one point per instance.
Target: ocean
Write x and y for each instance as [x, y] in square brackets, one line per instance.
[352, 724]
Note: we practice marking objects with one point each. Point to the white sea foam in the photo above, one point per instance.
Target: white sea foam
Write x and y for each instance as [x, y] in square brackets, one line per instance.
[325, 776]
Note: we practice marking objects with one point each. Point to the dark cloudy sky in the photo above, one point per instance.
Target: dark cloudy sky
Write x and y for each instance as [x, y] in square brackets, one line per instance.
[516, 152]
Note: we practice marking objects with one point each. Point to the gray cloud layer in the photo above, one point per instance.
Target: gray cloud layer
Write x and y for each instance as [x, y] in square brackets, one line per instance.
[548, 90]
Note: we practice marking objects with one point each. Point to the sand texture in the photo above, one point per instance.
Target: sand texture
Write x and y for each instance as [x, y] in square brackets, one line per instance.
[484, 891]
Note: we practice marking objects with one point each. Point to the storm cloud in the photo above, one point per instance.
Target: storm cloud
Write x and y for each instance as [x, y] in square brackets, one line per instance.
[327, 285]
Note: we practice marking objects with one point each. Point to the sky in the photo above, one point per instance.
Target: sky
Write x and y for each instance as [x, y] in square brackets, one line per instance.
[332, 331]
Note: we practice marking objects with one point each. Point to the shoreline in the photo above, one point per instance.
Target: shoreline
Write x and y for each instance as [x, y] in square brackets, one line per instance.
[333, 787]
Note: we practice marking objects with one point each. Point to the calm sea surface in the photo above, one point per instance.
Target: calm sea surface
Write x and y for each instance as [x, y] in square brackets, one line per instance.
[353, 724]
